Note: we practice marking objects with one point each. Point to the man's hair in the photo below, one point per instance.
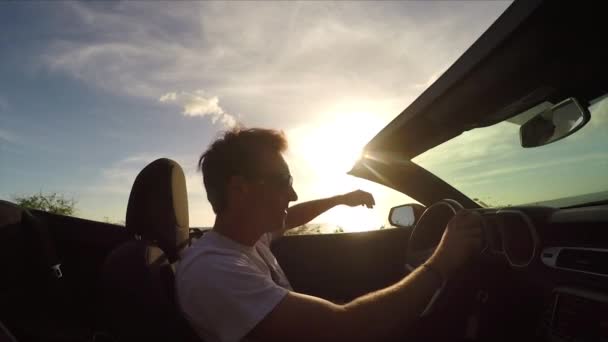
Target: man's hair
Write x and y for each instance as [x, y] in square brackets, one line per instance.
[236, 153]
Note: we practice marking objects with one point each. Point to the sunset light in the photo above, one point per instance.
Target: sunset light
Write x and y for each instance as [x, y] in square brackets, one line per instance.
[137, 81]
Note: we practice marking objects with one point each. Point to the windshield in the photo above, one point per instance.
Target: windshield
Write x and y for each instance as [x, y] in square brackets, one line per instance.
[490, 166]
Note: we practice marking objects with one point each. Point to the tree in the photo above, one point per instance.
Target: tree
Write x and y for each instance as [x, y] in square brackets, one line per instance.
[53, 203]
[305, 229]
[312, 229]
[107, 219]
[384, 226]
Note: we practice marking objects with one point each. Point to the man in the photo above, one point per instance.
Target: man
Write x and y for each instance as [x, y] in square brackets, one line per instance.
[231, 288]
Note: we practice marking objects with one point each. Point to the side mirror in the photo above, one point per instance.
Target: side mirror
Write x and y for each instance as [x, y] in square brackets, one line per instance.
[405, 215]
[554, 123]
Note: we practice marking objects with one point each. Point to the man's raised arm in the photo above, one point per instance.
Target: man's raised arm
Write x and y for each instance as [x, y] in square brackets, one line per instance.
[305, 212]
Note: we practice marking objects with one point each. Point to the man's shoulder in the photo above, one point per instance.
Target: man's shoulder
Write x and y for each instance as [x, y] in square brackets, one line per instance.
[222, 290]
[206, 253]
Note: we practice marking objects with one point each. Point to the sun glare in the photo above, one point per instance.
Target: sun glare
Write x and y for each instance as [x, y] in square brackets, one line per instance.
[337, 144]
[320, 156]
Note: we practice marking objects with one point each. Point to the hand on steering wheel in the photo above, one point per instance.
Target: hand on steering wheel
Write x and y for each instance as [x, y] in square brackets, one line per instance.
[444, 238]
[446, 235]
[461, 240]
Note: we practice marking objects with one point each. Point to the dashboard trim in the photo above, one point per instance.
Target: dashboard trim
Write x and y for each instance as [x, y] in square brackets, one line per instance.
[554, 252]
[577, 215]
[533, 234]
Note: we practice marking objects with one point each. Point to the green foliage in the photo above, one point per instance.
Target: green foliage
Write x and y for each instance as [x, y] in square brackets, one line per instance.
[306, 229]
[53, 203]
[312, 229]
[107, 219]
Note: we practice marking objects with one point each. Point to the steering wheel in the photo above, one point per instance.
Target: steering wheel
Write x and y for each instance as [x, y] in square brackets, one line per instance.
[425, 237]
[428, 232]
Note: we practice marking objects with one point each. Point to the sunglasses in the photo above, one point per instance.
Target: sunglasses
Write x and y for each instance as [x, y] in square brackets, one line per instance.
[278, 180]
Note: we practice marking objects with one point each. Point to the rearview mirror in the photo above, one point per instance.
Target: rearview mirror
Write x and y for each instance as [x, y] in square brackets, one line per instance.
[554, 123]
[405, 215]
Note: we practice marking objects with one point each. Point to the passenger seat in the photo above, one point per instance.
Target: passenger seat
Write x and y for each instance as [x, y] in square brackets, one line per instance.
[137, 277]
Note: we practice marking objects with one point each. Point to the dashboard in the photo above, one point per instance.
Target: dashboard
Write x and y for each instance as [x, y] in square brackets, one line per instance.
[512, 234]
[564, 254]
[573, 240]
[544, 270]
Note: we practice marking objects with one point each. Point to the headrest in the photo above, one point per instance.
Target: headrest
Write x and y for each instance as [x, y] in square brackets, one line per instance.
[158, 206]
[10, 213]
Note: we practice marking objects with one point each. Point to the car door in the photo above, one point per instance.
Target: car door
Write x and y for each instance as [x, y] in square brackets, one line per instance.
[341, 267]
[37, 302]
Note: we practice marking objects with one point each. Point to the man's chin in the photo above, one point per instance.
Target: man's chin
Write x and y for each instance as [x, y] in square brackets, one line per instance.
[277, 226]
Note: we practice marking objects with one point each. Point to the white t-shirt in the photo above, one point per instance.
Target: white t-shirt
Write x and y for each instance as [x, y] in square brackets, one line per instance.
[224, 289]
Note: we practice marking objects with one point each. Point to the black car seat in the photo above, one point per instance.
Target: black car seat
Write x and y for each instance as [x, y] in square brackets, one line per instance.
[36, 303]
[137, 277]
[5, 334]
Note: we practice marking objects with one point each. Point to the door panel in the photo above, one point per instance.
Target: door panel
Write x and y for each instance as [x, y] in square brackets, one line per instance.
[82, 246]
[340, 267]
[33, 304]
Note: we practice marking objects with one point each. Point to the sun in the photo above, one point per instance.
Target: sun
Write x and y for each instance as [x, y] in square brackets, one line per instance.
[322, 153]
[335, 144]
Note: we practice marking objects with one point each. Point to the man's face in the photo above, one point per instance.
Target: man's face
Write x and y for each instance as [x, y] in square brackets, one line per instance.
[271, 192]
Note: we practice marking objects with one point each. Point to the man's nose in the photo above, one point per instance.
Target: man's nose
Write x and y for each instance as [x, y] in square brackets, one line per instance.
[293, 196]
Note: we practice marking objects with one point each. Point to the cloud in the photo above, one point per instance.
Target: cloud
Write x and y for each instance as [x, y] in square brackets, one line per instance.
[279, 64]
[9, 137]
[546, 165]
[168, 97]
[599, 112]
[434, 77]
[3, 104]
[199, 104]
[285, 61]
[117, 179]
[482, 145]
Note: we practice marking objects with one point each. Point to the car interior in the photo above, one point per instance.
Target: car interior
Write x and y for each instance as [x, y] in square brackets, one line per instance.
[542, 274]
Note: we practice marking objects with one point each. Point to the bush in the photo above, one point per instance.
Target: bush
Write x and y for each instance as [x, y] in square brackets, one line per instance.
[312, 229]
[53, 203]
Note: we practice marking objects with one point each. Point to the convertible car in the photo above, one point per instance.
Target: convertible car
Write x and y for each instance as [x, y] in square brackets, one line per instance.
[515, 129]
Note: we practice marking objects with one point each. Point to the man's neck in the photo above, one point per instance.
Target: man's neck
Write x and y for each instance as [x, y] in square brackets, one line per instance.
[241, 232]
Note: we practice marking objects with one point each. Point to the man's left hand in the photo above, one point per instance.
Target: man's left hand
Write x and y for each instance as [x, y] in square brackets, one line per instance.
[357, 197]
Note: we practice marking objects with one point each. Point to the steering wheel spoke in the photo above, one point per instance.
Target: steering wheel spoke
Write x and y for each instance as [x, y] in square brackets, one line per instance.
[426, 236]
[429, 230]
[419, 257]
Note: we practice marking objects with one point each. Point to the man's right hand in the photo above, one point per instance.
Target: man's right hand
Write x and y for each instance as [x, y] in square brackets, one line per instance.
[461, 240]
[299, 317]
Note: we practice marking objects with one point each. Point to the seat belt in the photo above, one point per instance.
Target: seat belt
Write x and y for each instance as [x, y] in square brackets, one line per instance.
[56, 295]
[45, 242]
[5, 334]
[165, 258]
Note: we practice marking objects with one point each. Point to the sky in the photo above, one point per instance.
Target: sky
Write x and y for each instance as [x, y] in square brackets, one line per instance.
[490, 166]
[92, 92]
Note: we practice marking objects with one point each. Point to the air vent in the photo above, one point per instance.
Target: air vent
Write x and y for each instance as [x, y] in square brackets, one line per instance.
[583, 260]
